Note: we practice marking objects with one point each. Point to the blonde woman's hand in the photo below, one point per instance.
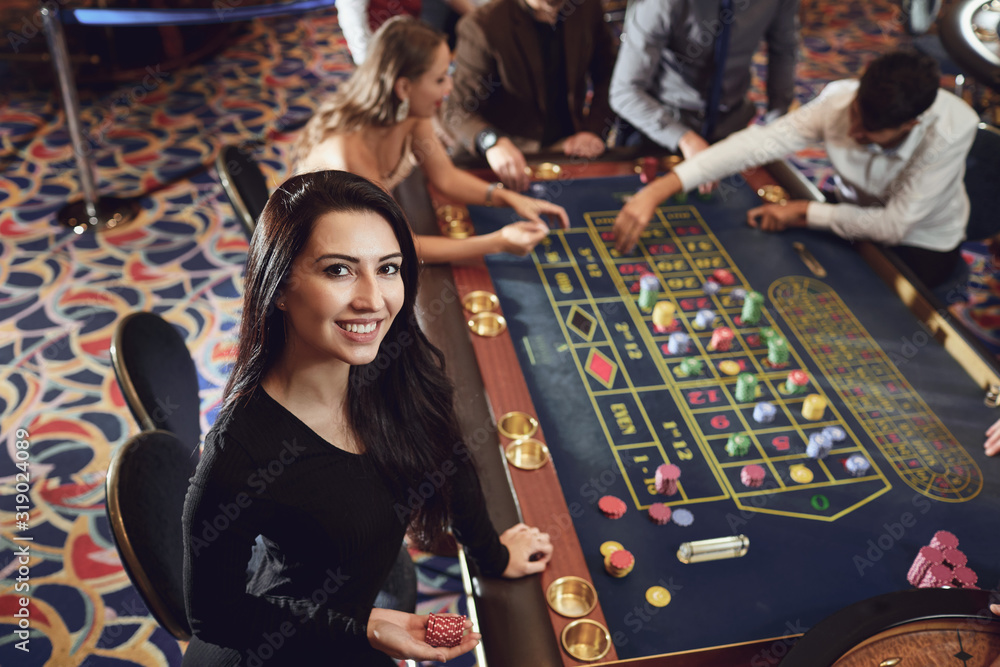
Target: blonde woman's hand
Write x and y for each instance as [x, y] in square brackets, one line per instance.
[530, 550]
[519, 238]
[533, 209]
[401, 636]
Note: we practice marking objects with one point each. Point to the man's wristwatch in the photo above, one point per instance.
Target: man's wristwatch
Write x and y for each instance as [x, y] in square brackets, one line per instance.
[486, 140]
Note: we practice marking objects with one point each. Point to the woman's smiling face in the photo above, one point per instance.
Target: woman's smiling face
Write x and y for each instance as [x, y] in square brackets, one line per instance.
[345, 289]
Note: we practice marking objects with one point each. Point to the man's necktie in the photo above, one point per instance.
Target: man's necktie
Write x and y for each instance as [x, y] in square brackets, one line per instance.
[726, 17]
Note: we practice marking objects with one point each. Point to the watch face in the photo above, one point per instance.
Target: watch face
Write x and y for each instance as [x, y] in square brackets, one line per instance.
[487, 139]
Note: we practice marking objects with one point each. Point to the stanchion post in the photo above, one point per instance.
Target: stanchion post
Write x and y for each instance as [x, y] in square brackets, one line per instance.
[91, 212]
[71, 106]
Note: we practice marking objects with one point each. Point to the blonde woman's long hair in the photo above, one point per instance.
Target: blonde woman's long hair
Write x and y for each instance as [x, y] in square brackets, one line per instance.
[402, 47]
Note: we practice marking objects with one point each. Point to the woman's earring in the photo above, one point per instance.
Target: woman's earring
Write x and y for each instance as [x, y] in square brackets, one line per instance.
[403, 110]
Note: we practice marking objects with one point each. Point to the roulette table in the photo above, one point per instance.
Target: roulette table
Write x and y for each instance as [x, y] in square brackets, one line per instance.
[746, 569]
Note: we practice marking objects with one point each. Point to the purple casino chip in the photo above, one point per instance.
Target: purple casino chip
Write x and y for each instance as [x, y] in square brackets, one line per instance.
[683, 517]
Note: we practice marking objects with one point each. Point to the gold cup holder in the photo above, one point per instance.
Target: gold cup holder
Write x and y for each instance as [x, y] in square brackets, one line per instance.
[480, 301]
[773, 194]
[527, 454]
[672, 161]
[516, 425]
[547, 171]
[488, 324]
[586, 640]
[459, 228]
[572, 597]
[450, 213]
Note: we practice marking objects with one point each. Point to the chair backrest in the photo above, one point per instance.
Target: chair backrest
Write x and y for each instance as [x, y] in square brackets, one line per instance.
[157, 376]
[244, 184]
[982, 182]
[146, 485]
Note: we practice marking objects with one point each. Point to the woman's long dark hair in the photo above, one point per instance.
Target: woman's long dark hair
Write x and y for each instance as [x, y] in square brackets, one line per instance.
[401, 405]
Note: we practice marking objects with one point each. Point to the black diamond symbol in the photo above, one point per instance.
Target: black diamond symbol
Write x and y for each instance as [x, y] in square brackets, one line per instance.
[963, 656]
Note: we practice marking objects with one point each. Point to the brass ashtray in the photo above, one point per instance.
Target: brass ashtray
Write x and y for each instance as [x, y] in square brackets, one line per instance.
[516, 425]
[480, 301]
[450, 213]
[547, 171]
[487, 324]
[773, 194]
[527, 454]
[459, 229]
[572, 597]
[586, 640]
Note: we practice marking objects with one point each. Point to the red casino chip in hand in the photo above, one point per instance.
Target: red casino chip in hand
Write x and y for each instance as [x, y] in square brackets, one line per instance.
[445, 630]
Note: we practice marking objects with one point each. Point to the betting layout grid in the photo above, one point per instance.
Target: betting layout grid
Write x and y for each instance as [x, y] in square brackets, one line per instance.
[615, 346]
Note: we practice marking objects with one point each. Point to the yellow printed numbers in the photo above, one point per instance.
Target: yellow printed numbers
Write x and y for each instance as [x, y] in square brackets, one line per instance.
[564, 283]
[631, 347]
[593, 268]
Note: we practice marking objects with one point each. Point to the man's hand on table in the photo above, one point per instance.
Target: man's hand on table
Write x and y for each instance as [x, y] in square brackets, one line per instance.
[639, 209]
[508, 163]
[778, 217]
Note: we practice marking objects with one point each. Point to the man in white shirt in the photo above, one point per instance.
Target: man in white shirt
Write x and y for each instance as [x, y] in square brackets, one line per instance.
[898, 144]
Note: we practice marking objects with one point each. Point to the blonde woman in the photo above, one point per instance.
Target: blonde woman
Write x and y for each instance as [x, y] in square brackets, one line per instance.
[379, 125]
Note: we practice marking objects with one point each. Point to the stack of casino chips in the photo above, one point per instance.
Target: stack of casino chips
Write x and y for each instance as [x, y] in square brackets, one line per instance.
[753, 305]
[663, 316]
[445, 630]
[666, 478]
[746, 387]
[704, 319]
[777, 351]
[722, 340]
[941, 564]
[612, 507]
[857, 465]
[724, 277]
[649, 290]
[679, 343]
[619, 563]
[752, 476]
[690, 367]
[819, 445]
[764, 412]
[738, 444]
[659, 513]
[796, 382]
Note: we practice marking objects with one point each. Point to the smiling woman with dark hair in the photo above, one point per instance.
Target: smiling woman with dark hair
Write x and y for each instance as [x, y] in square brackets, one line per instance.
[337, 407]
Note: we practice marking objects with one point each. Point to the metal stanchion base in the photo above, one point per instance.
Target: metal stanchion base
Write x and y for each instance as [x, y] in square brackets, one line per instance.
[110, 213]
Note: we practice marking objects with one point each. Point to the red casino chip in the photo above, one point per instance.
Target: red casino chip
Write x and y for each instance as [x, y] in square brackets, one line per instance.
[612, 507]
[937, 576]
[622, 559]
[965, 577]
[660, 514]
[445, 630]
[926, 557]
[944, 540]
[955, 558]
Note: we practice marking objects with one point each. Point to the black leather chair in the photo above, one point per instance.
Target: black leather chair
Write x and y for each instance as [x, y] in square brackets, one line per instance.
[146, 484]
[982, 182]
[244, 184]
[157, 376]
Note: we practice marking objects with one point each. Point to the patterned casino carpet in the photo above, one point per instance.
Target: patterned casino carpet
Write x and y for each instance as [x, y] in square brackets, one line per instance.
[61, 294]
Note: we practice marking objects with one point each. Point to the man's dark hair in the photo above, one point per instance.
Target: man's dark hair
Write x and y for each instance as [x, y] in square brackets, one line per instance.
[897, 88]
